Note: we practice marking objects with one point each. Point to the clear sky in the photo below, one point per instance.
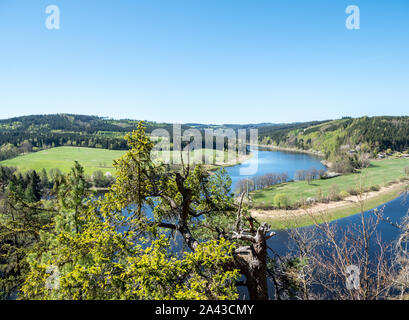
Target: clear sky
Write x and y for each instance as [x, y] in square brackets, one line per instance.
[208, 61]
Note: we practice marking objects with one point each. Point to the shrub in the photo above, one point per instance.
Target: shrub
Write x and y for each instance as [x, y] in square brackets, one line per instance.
[334, 193]
[281, 200]
[102, 181]
[352, 192]
[342, 165]
[344, 194]
[318, 195]
[375, 188]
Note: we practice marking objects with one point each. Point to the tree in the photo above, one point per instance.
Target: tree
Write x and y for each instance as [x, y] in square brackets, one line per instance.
[281, 200]
[180, 198]
[33, 187]
[45, 182]
[20, 225]
[72, 191]
[99, 251]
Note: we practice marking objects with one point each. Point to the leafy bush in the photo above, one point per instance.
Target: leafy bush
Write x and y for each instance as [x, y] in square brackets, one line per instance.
[342, 165]
[281, 200]
[334, 193]
[353, 192]
[344, 194]
[101, 180]
[375, 188]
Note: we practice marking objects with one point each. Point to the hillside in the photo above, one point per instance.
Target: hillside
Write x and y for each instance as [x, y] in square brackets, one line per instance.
[21, 135]
[38, 132]
[369, 135]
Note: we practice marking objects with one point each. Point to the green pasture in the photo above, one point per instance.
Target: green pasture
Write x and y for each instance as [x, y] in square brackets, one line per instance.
[380, 172]
[63, 158]
[100, 159]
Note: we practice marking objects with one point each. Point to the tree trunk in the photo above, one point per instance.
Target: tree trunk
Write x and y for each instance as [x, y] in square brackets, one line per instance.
[252, 262]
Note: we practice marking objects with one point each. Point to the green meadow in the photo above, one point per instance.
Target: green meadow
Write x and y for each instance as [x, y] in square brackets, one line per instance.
[101, 159]
[379, 173]
[63, 158]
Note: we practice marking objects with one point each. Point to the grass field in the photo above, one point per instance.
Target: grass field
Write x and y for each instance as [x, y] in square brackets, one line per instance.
[63, 158]
[97, 159]
[333, 214]
[379, 173]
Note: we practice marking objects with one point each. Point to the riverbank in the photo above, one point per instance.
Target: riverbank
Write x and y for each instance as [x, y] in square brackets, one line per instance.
[234, 162]
[379, 173]
[294, 150]
[325, 212]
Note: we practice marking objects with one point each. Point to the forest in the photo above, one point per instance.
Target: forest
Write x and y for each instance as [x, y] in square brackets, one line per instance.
[370, 135]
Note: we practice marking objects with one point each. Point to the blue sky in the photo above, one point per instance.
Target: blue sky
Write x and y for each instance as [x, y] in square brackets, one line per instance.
[208, 61]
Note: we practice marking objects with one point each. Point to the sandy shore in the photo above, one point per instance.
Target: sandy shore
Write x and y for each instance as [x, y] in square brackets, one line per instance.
[234, 161]
[320, 209]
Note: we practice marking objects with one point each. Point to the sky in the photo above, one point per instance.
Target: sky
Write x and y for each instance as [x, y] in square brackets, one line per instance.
[205, 61]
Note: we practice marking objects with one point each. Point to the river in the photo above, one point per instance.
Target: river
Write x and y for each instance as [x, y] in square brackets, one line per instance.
[274, 162]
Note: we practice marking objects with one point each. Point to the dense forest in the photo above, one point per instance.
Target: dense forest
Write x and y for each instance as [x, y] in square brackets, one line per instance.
[370, 135]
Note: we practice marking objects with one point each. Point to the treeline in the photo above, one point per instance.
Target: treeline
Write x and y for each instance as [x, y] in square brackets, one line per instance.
[260, 182]
[370, 135]
[309, 175]
[32, 186]
[29, 186]
[271, 179]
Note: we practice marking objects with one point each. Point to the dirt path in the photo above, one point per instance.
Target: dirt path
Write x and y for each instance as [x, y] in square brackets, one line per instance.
[321, 208]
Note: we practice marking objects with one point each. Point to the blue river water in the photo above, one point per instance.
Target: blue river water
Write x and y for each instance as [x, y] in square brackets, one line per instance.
[274, 162]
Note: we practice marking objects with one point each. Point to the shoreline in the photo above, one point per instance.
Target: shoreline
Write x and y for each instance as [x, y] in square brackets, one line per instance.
[232, 163]
[295, 150]
[325, 212]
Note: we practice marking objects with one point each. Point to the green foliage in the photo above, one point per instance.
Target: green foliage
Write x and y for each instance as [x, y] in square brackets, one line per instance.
[108, 248]
[101, 180]
[375, 188]
[369, 134]
[281, 200]
[380, 172]
[20, 224]
[344, 194]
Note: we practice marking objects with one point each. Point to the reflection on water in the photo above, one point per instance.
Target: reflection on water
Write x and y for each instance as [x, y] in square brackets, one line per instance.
[275, 162]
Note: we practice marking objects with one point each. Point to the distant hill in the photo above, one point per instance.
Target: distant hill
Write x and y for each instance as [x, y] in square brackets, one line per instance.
[366, 134]
[36, 132]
